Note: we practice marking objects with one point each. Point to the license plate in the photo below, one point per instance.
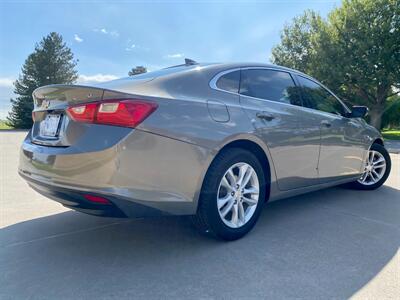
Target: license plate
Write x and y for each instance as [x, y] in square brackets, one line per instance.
[49, 126]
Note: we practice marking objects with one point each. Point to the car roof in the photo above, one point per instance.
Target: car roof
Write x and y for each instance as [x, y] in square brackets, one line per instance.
[237, 65]
[213, 68]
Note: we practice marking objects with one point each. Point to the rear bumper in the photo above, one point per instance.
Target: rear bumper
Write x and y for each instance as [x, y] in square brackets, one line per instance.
[142, 175]
[74, 199]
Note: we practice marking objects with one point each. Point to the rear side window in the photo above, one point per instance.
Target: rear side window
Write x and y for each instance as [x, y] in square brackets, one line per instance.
[269, 85]
[229, 82]
[317, 97]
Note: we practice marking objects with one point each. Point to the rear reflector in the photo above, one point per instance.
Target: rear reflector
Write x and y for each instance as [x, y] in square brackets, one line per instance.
[126, 113]
[96, 199]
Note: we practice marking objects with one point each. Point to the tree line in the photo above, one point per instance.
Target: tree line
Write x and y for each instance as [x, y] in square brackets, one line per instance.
[355, 51]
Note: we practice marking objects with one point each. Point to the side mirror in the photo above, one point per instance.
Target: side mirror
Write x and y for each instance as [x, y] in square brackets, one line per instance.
[358, 112]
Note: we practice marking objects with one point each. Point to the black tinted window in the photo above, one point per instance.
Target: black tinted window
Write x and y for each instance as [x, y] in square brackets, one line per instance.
[270, 85]
[229, 82]
[317, 97]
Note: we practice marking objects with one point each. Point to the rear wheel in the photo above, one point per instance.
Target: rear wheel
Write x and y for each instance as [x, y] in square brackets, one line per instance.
[376, 171]
[232, 195]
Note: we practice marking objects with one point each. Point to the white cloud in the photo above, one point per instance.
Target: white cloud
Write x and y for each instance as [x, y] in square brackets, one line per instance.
[130, 48]
[6, 82]
[113, 33]
[175, 55]
[78, 38]
[95, 78]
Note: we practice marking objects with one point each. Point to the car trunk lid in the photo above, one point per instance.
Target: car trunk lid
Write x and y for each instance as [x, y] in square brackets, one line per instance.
[52, 125]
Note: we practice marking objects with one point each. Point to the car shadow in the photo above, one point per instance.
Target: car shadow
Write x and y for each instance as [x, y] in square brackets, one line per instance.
[328, 243]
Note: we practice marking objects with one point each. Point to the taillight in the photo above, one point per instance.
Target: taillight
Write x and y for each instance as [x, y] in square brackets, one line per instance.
[126, 113]
[83, 113]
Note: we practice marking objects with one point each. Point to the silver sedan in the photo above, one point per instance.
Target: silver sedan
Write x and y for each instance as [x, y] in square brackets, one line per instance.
[215, 141]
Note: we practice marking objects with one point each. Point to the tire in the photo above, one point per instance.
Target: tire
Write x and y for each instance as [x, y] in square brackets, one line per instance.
[209, 217]
[370, 185]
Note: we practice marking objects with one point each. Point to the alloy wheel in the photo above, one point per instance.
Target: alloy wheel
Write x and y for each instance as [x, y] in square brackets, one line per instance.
[375, 168]
[238, 195]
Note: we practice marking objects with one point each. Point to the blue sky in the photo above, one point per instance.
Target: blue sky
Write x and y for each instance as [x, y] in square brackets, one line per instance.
[110, 37]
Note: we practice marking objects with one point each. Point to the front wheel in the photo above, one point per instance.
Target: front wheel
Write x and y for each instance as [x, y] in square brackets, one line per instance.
[232, 195]
[376, 171]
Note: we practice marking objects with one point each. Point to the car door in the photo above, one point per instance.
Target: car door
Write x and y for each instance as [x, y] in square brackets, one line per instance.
[342, 148]
[272, 101]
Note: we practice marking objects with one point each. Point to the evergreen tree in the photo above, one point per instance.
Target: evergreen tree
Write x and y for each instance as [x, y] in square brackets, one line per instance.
[51, 62]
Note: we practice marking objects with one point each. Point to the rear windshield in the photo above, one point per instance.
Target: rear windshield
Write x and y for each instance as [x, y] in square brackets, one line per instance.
[162, 72]
[144, 77]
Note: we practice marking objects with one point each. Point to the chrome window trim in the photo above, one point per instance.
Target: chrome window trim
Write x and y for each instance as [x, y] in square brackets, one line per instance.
[213, 82]
[213, 85]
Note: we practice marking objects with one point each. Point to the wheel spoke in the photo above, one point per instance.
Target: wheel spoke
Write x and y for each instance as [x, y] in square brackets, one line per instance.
[235, 215]
[225, 183]
[378, 161]
[371, 157]
[364, 177]
[380, 165]
[250, 201]
[241, 213]
[247, 177]
[231, 177]
[227, 209]
[222, 201]
[242, 173]
[372, 174]
[252, 190]
[376, 175]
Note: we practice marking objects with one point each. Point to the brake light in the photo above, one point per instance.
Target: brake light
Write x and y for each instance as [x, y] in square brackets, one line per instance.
[83, 113]
[126, 113]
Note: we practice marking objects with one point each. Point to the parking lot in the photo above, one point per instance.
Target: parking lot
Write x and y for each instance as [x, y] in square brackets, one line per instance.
[334, 243]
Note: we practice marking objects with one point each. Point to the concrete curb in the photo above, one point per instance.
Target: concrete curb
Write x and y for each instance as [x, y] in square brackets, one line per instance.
[14, 130]
[392, 146]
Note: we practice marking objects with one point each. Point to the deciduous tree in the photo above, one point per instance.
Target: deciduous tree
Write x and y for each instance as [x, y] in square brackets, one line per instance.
[355, 51]
[137, 70]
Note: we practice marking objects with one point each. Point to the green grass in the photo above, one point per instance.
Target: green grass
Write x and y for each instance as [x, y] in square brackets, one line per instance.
[3, 125]
[391, 134]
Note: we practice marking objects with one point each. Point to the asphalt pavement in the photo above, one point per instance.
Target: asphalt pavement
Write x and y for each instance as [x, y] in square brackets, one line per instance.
[335, 243]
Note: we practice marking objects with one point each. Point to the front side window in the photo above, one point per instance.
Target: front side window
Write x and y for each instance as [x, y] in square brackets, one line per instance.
[229, 82]
[269, 85]
[317, 97]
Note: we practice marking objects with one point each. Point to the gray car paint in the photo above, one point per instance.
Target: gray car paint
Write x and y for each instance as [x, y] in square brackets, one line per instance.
[162, 163]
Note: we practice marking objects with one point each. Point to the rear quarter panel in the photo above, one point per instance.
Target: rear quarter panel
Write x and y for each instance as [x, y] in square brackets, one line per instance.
[183, 114]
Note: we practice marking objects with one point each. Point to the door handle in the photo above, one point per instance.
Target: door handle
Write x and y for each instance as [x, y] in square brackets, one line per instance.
[265, 116]
[326, 123]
